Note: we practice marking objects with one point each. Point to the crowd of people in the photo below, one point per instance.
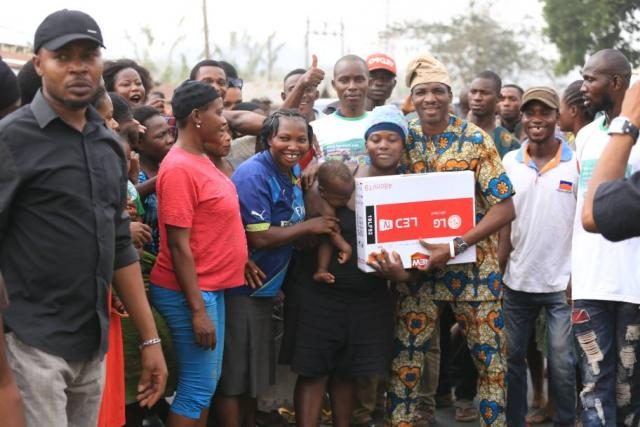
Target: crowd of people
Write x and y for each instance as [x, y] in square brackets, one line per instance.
[146, 243]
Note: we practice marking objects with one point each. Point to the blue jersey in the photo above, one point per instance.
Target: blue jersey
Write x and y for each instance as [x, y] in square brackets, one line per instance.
[268, 197]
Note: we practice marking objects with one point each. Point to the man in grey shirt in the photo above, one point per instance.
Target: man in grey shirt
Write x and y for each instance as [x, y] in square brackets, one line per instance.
[64, 235]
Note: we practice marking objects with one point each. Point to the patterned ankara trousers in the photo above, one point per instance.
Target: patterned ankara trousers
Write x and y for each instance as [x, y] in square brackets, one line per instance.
[416, 316]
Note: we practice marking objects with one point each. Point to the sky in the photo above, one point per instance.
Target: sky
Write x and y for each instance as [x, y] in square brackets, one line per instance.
[121, 21]
[180, 22]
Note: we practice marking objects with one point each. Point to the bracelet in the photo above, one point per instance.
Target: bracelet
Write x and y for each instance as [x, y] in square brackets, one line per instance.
[150, 342]
[452, 249]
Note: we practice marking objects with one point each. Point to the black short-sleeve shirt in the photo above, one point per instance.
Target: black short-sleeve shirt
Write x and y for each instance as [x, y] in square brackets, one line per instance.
[64, 228]
[616, 208]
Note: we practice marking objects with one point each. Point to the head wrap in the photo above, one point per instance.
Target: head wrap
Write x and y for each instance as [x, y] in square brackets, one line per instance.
[426, 69]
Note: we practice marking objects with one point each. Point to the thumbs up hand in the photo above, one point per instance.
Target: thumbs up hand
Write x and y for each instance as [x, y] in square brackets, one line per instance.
[314, 75]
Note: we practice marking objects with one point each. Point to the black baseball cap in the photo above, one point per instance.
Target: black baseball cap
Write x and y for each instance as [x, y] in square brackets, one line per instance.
[65, 26]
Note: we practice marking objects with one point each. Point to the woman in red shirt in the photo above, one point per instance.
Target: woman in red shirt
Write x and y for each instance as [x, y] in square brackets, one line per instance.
[203, 250]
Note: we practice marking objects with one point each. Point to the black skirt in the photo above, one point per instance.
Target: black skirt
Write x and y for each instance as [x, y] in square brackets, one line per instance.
[341, 329]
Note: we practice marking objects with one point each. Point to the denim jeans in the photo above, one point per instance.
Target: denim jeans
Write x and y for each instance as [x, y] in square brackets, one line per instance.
[520, 312]
[608, 336]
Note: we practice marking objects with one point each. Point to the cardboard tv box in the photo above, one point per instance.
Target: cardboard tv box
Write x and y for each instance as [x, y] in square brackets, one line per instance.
[395, 212]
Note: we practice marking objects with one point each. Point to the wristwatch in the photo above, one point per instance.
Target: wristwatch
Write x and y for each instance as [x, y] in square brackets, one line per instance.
[459, 245]
[622, 125]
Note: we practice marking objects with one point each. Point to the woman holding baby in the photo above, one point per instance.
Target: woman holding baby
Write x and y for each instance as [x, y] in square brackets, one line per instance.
[338, 319]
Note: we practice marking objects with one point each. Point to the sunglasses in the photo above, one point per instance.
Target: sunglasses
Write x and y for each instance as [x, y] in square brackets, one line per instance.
[173, 129]
[237, 83]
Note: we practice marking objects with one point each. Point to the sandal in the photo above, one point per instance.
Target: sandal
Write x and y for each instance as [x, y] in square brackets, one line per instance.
[270, 419]
[466, 414]
[288, 414]
[424, 419]
[537, 416]
[326, 417]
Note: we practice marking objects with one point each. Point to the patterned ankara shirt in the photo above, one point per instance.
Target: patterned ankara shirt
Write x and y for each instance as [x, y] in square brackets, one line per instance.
[463, 146]
[505, 141]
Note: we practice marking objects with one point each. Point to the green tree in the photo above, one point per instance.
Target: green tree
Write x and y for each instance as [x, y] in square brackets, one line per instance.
[473, 42]
[581, 27]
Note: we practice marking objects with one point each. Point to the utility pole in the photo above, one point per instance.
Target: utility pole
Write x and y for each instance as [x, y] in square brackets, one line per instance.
[341, 37]
[306, 44]
[386, 27]
[324, 32]
[207, 51]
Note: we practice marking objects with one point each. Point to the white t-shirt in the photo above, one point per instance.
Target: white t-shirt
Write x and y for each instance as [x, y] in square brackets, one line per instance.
[545, 204]
[342, 138]
[602, 270]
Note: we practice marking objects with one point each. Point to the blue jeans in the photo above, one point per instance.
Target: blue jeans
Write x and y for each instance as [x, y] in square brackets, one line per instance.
[520, 312]
[198, 369]
[608, 336]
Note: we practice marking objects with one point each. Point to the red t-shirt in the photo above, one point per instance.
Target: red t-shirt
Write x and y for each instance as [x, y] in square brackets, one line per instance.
[193, 193]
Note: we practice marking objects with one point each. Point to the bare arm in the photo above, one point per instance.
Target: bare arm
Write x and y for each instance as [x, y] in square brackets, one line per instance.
[611, 166]
[613, 162]
[498, 216]
[504, 247]
[130, 288]
[147, 187]
[278, 236]
[184, 265]
[245, 122]
[185, 269]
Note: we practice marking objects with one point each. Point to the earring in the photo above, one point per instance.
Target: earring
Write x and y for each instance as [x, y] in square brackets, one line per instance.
[198, 125]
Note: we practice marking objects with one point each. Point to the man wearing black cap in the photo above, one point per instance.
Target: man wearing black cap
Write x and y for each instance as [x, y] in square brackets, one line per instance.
[64, 235]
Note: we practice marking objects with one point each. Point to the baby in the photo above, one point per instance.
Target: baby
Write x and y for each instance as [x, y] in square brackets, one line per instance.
[335, 187]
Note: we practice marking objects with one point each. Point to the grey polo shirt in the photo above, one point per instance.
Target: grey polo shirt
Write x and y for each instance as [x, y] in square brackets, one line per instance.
[64, 228]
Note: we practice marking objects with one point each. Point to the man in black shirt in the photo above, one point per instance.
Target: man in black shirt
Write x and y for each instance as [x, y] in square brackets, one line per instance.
[64, 234]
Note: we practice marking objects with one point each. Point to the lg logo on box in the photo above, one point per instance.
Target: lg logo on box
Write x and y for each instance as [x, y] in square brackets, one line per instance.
[453, 222]
[390, 224]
